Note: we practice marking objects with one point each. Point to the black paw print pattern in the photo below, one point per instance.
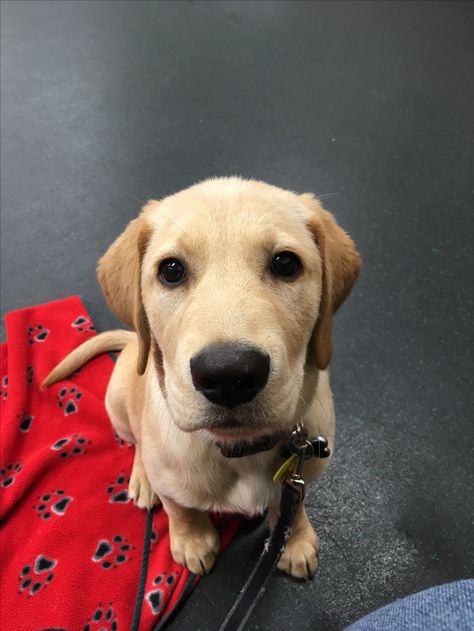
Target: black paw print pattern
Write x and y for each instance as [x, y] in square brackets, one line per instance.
[104, 618]
[8, 474]
[53, 503]
[118, 490]
[111, 554]
[37, 333]
[33, 578]
[155, 596]
[25, 422]
[4, 387]
[155, 600]
[74, 445]
[83, 324]
[68, 400]
[119, 439]
[30, 373]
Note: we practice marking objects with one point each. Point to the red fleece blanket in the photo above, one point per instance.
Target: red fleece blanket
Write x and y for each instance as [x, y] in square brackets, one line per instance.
[72, 540]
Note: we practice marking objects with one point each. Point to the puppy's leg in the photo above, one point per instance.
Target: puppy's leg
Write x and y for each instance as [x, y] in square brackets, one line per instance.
[300, 556]
[194, 540]
[139, 488]
[116, 410]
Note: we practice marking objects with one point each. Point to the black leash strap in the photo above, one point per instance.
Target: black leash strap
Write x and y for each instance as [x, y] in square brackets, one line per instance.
[137, 611]
[299, 448]
[291, 495]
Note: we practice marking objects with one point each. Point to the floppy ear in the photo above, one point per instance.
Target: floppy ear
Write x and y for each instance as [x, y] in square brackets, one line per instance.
[119, 275]
[341, 264]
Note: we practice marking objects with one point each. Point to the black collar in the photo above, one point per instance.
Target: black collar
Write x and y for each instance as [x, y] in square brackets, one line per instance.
[238, 450]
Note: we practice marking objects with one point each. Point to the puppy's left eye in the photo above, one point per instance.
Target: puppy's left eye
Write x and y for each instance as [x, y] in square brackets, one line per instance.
[286, 264]
[172, 272]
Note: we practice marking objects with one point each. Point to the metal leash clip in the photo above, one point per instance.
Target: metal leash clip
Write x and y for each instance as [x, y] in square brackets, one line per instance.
[299, 448]
[316, 447]
[298, 444]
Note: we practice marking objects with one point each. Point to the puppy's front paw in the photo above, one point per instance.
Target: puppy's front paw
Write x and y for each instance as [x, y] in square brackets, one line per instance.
[300, 556]
[196, 549]
[140, 491]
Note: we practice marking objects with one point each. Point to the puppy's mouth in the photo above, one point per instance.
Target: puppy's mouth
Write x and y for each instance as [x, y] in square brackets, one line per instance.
[231, 432]
[236, 439]
[239, 427]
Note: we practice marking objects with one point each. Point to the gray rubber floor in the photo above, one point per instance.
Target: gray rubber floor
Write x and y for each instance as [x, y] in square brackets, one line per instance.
[369, 105]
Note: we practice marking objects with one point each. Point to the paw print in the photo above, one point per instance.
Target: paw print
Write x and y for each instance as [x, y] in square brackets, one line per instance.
[111, 554]
[71, 445]
[37, 333]
[122, 443]
[25, 422]
[119, 439]
[67, 400]
[8, 473]
[4, 387]
[103, 619]
[83, 324]
[54, 503]
[32, 579]
[30, 373]
[155, 596]
[118, 490]
[155, 599]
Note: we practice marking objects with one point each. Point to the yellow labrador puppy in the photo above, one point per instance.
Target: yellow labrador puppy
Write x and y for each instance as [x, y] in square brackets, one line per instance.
[231, 286]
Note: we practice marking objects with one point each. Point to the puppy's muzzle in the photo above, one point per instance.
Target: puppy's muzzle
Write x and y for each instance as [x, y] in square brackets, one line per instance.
[229, 374]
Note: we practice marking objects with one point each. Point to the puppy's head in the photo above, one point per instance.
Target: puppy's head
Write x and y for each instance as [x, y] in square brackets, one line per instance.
[231, 286]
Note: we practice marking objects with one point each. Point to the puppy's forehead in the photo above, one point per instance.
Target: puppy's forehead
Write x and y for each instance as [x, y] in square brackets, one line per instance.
[223, 208]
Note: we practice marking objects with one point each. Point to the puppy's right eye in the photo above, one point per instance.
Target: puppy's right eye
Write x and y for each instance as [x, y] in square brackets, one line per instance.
[172, 272]
[286, 265]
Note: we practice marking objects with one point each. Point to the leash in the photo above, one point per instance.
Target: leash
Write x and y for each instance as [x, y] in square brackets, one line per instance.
[139, 599]
[299, 448]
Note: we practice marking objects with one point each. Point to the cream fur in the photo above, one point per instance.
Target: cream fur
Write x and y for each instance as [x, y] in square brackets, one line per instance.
[226, 231]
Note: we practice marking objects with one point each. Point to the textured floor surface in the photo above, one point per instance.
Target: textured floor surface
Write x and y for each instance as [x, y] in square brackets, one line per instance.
[368, 105]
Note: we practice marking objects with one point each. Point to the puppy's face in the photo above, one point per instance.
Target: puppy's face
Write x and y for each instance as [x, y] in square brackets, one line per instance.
[233, 286]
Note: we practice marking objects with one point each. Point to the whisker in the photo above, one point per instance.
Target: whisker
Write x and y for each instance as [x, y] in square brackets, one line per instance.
[137, 199]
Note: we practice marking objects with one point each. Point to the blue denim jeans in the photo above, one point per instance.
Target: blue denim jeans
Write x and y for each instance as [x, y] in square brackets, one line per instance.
[449, 607]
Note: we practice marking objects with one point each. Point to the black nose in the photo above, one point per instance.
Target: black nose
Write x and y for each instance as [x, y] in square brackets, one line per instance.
[229, 374]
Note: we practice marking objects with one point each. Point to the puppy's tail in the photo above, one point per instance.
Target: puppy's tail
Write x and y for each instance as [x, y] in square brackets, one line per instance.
[102, 343]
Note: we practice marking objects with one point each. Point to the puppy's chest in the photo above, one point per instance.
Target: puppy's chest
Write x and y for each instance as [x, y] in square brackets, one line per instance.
[252, 490]
[216, 484]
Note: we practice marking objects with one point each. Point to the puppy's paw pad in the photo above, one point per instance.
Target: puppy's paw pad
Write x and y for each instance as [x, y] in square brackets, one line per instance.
[300, 558]
[196, 550]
